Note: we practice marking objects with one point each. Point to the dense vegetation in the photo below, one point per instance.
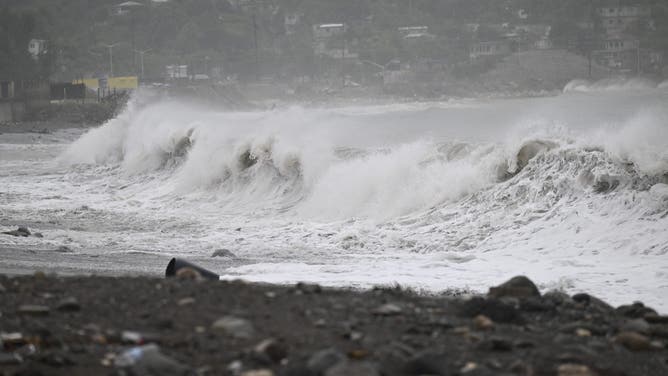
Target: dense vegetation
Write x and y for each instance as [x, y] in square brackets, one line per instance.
[206, 34]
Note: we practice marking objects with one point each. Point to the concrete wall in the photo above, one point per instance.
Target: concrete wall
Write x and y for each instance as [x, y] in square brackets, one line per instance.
[11, 111]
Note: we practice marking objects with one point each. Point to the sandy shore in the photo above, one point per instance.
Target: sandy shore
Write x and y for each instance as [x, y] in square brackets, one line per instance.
[54, 325]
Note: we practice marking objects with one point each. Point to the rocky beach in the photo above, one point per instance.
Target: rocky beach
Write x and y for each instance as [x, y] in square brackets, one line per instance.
[52, 325]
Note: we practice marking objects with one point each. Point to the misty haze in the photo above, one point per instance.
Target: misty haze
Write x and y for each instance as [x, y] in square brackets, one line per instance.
[367, 168]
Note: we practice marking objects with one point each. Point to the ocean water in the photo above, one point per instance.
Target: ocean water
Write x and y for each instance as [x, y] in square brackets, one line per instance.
[571, 191]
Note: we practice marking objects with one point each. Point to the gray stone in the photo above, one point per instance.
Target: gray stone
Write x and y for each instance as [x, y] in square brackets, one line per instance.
[148, 360]
[517, 287]
[636, 325]
[272, 349]
[8, 359]
[388, 309]
[223, 253]
[353, 369]
[70, 304]
[636, 310]
[325, 359]
[634, 341]
[557, 297]
[21, 231]
[592, 302]
[234, 326]
[571, 328]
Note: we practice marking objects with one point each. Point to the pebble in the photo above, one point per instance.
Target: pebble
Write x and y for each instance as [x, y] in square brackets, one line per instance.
[258, 372]
[482, 322]
[517, 287]
[34, 310]
[650, 318]
[636, 325]
[322, 360]
[574, 370]
[388, 309]
[499, 344]
[10, 359]
[272, 349]
[70, 304]
[557, 297]
[308, 288]
[580, 332]
[427, 364]
[2, 288]
[353, 369]
[186, 301]
[636, 310]
[633, 341]
[149, 360]
[494, 308]
[592, 301]
[234, 326]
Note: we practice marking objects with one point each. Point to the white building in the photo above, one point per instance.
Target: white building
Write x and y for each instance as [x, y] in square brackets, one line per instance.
[36, 48]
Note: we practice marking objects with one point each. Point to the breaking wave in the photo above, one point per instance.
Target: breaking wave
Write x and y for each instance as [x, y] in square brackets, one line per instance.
[611, 84]
[324, 164]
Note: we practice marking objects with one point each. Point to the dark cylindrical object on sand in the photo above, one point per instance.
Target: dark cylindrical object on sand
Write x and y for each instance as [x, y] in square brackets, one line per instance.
[177, 264]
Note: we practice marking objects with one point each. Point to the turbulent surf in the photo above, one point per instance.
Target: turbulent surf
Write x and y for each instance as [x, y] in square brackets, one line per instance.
[571, 191]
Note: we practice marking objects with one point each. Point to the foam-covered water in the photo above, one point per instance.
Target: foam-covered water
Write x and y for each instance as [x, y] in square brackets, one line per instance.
[571, 191]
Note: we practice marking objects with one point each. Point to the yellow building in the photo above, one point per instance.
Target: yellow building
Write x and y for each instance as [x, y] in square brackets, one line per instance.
[111, 83]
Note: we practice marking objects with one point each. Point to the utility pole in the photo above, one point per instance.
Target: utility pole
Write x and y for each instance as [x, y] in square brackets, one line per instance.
[638, 57]
[111, 58]
[257, 49]
[141, 58]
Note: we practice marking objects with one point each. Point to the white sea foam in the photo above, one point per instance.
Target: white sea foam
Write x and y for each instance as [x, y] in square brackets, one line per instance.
[569, 190]
[610, 84]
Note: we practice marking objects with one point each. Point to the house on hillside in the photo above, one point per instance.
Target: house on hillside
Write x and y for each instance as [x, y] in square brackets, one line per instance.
[615, 20]
[329, 40]
[625, 54]
[291, 21]
[533, 37]
[415, 32]
[489, 48]
[37, 48]
[125, 7]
